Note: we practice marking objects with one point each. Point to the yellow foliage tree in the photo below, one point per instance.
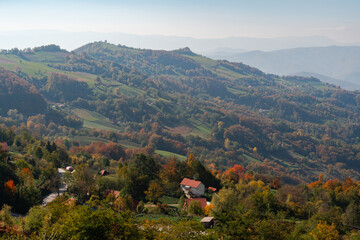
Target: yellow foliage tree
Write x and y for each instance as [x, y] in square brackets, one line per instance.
[154, 192]
[191, 158]
[323, 231]
[208, 209]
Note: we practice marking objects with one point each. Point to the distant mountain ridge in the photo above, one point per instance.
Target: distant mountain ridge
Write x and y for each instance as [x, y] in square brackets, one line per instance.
[72, 40]
[336, 82]
[338, 62]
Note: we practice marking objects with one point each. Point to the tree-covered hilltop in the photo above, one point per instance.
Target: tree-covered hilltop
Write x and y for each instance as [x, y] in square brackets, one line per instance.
[173, 103]
[17, 93]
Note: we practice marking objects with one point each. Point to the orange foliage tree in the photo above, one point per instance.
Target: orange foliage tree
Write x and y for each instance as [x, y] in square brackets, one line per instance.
[10, 187]
[324, 231]
[235, 173]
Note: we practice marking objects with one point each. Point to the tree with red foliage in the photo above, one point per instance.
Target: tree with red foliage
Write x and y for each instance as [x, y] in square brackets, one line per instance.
[10, 187]
[235, 173]
[276, 183]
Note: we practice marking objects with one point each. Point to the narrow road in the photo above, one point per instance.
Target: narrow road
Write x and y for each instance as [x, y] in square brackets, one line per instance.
[62, 189]
[153, 205]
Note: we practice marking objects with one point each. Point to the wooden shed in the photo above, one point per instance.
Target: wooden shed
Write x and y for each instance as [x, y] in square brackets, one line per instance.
[208, 222]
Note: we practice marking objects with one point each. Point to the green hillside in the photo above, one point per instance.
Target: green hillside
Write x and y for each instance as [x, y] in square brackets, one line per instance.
[179, 102]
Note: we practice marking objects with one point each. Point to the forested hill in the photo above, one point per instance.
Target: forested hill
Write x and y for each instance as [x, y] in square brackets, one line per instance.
[17, 93]
[174, 103]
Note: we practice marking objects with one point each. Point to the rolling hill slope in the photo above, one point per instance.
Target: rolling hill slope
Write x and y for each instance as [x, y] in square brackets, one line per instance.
[177, 102]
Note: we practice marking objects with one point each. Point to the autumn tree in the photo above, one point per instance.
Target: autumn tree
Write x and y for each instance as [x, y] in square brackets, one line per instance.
[82, 183]
[5, 215]
[323, 231]
[154, 192]
[352, 215]
[235, 173]
[195, 208]
[191, 159]
[10, 188]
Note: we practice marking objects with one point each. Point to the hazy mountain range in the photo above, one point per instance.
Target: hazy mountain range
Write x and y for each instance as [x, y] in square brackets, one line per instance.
[73, 40]
[338, 65]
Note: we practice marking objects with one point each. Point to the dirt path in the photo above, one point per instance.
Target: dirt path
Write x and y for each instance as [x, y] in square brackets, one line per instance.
[62, 189]
[152, 205]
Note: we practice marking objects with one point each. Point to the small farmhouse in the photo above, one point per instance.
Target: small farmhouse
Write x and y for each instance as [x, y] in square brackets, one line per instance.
[4, 147]
[192, 188]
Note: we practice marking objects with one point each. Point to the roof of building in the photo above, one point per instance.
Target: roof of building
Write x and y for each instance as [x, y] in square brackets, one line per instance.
[4, 147]
[69, 168]
[212, 189]
[71, 201]
[114, 192]
[207, 219]
[190, 182]
[104, 172]
[202, 201]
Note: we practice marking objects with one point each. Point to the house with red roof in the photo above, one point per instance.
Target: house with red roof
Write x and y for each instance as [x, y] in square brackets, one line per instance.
[4, 147]
[192, 188]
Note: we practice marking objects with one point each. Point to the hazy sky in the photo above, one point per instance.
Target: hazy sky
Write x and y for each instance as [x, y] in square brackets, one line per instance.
[337, 19]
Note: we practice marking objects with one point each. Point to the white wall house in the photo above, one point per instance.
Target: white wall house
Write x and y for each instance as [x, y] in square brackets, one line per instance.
[192, 188]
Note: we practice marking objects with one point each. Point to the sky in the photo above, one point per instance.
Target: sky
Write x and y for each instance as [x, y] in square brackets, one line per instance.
[336, 19]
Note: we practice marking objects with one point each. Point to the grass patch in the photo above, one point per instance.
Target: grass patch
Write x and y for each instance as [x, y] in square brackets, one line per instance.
[170, 154]
[235, 91]
[101, 126]
[127, 91]
[85, 140]
[200, 128]
[250, 158]
[95, 120]
[169, 200]
[10, 61]
[156, 217]
[129, 144]
[208, 62]
[225, 72]
[87, 115]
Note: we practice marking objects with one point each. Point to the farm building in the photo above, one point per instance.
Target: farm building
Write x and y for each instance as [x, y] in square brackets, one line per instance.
[192, 188]
[4, 147]
[212, 189]
[208, 222]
